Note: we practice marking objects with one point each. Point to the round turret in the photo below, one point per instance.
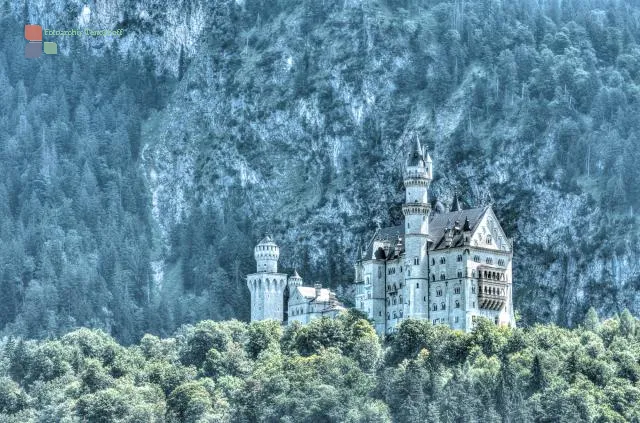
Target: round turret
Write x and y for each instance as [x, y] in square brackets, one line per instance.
[295, 279]
[266, 254]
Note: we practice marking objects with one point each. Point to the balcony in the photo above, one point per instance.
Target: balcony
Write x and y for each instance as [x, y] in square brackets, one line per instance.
[492, 295]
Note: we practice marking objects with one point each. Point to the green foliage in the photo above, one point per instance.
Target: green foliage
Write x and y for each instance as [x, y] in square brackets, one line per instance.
[257, 372]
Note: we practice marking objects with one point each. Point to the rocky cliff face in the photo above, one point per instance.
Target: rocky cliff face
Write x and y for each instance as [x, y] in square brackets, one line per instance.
[295, 117]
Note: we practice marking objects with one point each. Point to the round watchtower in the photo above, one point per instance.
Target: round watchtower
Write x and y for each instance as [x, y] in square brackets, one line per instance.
[295, 279]
[266, 254]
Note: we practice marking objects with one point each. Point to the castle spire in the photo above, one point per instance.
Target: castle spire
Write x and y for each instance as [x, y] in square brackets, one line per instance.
[416, 154]
[455, 206]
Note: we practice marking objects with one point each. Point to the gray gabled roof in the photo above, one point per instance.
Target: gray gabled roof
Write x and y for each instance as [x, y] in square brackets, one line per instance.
[438, 223]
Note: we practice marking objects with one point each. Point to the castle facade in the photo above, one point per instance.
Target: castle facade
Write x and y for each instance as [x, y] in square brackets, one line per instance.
[448, 267]
[282, 297]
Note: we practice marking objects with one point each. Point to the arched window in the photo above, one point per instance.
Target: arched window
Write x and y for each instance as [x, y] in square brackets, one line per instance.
[395, 315]
[456, 290]
[434, 307]
[387, 316]
[442, 276]
[417, 285]
[443, 260]
[433, 278]
[459, 258]
[457, 304]
[476, 259]
[433, 262]
[442, 306]
[488, 239]
[439, 292]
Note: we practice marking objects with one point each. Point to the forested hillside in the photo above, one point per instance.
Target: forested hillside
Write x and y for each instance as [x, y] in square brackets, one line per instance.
[138, 172]
[329, 371]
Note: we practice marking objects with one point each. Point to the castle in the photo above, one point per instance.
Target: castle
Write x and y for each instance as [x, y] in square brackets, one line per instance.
[447, 267]
[282, 297]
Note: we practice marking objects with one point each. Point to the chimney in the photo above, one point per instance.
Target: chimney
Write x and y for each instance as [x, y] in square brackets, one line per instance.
[318, 288]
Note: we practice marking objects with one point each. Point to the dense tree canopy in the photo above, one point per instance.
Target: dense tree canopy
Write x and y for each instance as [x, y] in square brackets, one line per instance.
[329, 371]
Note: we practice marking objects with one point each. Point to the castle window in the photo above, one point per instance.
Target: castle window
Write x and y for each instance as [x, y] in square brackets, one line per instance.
[457, 304]
[456, 319]
[388, 301]
[473, 273]
[439, 293]
[459, 274]
[394, 301]
[435, 321]
[400, 269]
[443, 260]
[473, 304]
[488, 240]
[433, 277]
[476, 259]
[387, 316]
[434, 307]
[400, 313]
[379, 313]
[417, 285]
[400, 299]
[442, 306]
[459, 258]
[456, 290]
[433, 262]
[489, 260]
[395, 315]
[442, 276]
[424, 299]
[416, 261]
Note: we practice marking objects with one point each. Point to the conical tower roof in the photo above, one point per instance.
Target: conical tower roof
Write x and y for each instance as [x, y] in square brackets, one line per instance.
[416, 155]
[456, 204]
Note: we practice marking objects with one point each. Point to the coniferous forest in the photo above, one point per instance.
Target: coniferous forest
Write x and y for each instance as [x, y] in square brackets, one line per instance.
[138, 172]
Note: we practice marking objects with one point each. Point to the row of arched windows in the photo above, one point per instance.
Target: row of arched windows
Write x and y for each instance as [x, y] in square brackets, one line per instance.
[498, 276]
[297, 311]
[443, 306]
[266, 247]
[492, 290]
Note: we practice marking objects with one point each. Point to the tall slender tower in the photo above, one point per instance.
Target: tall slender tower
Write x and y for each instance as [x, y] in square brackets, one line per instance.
[417, 178]
[267, 286]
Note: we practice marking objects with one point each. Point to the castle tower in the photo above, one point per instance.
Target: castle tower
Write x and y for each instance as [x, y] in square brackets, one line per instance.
[295, 280]
[417, 178]
[267, 286]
